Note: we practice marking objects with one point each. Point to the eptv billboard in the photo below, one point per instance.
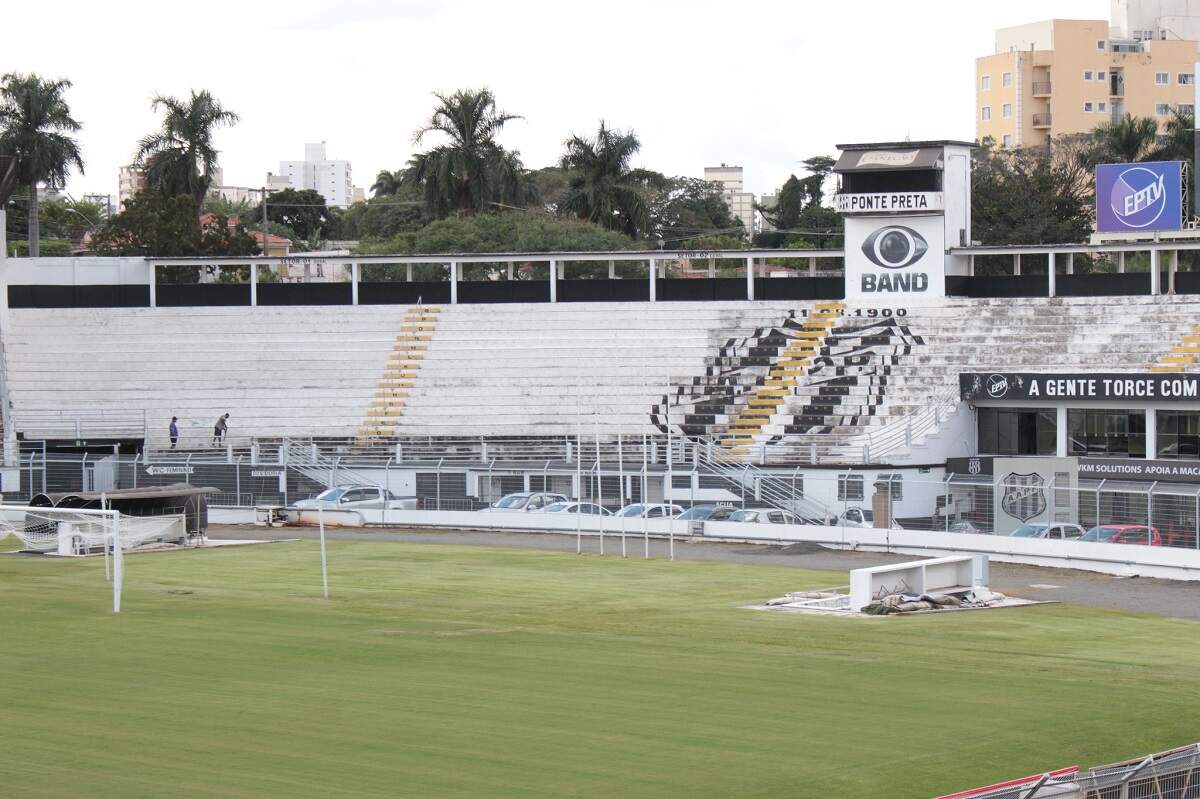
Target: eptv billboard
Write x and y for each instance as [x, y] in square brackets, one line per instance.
[1144, 197]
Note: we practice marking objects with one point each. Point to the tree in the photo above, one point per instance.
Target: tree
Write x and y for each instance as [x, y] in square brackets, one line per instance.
[1125, 140]
[386, 183]
[217, 204]
[35, 128]
[384, 217]
[604, 188]
[819, 167]
[304, 211]
[552, 184]
[180, 158]
[789, 202]
[153, 224]
[688, 208]
[1032, 195]
[800, 211]
[471, 172]
[1177, 142]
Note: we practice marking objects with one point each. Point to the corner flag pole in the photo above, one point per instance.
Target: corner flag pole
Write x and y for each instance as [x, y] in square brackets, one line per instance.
[324, 564]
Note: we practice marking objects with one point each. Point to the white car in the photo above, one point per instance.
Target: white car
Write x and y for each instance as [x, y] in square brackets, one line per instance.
[1058, 531]
[640, 510]
[857, 517]
[524, 502]
[765, 516]
[587, 508]
[358, 498]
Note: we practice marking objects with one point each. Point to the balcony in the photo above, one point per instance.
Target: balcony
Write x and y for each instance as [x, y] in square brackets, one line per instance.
[1041, 88]
[1041, 120]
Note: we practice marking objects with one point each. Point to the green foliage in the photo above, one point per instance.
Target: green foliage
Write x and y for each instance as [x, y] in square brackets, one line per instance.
[216, 204]
[1032, 195]
[383, 216]
[471, 172]
[689, 208]
[603, 188]
[49, 248]
[64, 218]
[1125, 140]
[552, 184]
[387, 183]
[303, 211]
[180, 157]
[159, 226]
[512, 231]
[799, 213]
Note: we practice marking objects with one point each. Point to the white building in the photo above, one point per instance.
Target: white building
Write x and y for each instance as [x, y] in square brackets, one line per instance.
[330, 178]
[740, 202]
[130, 180]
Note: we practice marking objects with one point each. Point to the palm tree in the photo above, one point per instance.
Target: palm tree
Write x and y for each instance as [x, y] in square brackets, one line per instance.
[1177, 142]
[180, 158]
[386, 183]
[603, 188]
[471, 172]
[35, 123]
[1126, 140]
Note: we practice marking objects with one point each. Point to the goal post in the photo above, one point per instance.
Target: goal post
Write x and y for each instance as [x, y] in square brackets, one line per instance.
[84, 531]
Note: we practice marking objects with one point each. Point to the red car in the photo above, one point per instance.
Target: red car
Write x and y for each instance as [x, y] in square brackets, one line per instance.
[1138, 534]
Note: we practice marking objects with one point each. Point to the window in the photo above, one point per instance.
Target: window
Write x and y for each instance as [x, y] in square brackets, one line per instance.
[1088, 74]
[1017, 431]
[1006, 79]
[1087, 107]
[1007, 140]
[1006, 110]
[1186, 78]
[1100, 44]
[895, 485]
[1161, 78]
[1101, 75]
[1187, 109]
[1178, 434]
[1101, 107]
[1162, 109]
[1101, 432]
[850, 488]
[985, 83]
[985, 113]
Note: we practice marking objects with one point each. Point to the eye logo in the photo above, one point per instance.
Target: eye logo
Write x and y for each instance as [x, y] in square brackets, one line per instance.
[894, 247]
[1139, 196]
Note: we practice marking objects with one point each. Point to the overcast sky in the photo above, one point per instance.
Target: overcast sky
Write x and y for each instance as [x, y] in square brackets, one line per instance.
[759, 83]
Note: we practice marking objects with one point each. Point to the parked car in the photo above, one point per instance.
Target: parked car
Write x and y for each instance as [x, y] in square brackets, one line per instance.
[1058, 531]
[1138, 534]
[965, 526]
[650, 511]
[524, 502]
[857, 517]
[708, 513]
[587, 508]
[765, 516]
[358, 498]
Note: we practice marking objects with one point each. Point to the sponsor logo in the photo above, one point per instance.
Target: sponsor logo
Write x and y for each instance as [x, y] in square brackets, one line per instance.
[1024, 497]
[1139, 196]
[886, 158]
[997, 386]
[895, 247]
[974, 466]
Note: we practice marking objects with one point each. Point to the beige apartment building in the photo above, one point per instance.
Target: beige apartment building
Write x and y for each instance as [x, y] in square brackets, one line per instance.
[1068, 76]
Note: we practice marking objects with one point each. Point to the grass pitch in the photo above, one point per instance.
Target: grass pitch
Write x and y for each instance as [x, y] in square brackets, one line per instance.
[468, 671]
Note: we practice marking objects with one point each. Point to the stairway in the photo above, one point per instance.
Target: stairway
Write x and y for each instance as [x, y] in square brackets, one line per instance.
[416, 330]
[1182, 355]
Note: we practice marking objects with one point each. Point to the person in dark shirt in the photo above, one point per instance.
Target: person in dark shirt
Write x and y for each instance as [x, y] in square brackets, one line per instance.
[173, 431]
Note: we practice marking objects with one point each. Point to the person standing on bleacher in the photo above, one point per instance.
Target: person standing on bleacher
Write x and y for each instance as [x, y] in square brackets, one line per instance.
[173, 431]
[219, 429]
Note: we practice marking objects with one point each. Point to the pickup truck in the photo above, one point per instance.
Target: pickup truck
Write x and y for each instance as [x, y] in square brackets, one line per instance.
[358, 498]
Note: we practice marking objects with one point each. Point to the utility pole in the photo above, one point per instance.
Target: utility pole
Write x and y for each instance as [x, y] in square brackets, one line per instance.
[264, 220]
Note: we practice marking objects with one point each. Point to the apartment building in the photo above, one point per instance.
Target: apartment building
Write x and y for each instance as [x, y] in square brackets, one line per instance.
[329, 177]
[130, 180]
[1067, 76]
[740, 202]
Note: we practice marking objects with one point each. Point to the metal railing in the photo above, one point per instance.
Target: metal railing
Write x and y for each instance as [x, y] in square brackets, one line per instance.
[1041, 88]
[1042, 120]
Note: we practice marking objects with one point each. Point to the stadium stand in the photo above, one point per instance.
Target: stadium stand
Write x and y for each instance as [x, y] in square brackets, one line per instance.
[766, 373]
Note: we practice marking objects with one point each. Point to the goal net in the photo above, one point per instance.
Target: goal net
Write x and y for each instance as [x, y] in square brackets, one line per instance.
[80, 532]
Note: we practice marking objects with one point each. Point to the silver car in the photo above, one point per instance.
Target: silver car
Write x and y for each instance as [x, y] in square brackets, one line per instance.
[524, 502]
[640, 510]
[358, 498]
[1058, 531]
[765, 516]
[586, 508]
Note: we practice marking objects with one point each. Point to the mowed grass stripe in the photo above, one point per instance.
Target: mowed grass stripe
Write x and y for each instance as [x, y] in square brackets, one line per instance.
[460, 671]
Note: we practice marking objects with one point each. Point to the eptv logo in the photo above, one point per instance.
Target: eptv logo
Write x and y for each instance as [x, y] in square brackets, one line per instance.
[1139, 196]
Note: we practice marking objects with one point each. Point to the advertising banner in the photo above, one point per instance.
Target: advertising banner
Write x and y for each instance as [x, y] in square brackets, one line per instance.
[899, 259]
[1139, 197]
[1149, 386]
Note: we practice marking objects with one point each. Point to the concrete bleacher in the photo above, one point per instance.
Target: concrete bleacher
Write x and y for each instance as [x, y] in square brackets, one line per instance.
[540, 370]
